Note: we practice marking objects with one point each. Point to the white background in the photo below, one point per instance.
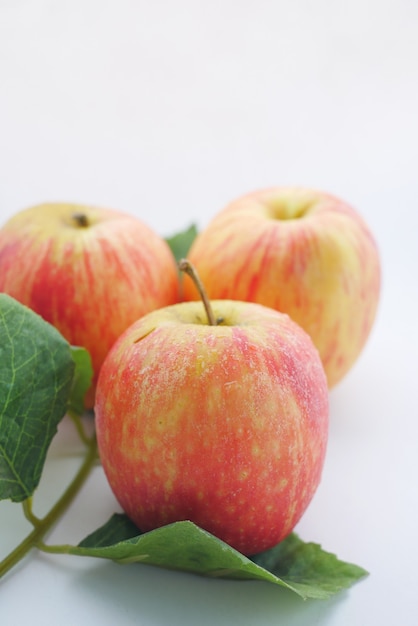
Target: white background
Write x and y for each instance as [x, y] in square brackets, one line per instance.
[169, 110]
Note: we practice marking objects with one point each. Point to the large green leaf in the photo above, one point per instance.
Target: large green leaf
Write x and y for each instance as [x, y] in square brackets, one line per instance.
[303, 568]
[36, 378]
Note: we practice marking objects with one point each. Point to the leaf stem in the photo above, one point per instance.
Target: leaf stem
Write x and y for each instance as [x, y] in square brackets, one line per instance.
[44, 525]
[28, 512]
[54, 549]
[79, 427]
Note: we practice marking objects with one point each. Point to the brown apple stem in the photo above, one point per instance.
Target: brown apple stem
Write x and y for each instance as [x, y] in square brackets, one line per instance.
[81, 220]
[187, 267]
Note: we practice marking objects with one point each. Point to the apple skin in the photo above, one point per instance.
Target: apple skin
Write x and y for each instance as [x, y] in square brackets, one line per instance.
[222, 425]
[91, 272]
[300, 251]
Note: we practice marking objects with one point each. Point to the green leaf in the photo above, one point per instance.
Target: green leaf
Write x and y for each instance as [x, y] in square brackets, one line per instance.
[311, 571]
[180, 243]
[82, 378]
[303, 568]
[36, 372]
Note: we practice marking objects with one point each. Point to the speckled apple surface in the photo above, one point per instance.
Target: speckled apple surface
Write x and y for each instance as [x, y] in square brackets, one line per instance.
[223, 425]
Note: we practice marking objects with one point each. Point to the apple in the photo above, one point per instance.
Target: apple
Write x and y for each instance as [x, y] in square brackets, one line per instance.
[91, 272]
[225, 425]
[302, 252]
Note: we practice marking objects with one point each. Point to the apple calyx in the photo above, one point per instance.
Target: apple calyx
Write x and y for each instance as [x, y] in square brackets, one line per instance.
[80, 220]
[189, 269]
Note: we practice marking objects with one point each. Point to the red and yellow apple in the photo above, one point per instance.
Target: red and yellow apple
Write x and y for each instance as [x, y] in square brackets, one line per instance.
[91, 272]
[225, 425]
[302, 252]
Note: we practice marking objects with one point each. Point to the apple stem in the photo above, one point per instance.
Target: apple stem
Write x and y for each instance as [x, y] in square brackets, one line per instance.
[187, 267]
[81, 220]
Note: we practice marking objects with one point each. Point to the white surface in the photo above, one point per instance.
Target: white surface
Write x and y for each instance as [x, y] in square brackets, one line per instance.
[169, 110]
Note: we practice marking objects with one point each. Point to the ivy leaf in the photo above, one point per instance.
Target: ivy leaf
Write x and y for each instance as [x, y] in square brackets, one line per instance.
[181, 242]
[303, 568]
[36, 377]
[82, 378]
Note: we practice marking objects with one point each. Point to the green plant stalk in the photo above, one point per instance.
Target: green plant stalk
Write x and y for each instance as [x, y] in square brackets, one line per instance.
[78, 424]
[45, 524]
[27, 510]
